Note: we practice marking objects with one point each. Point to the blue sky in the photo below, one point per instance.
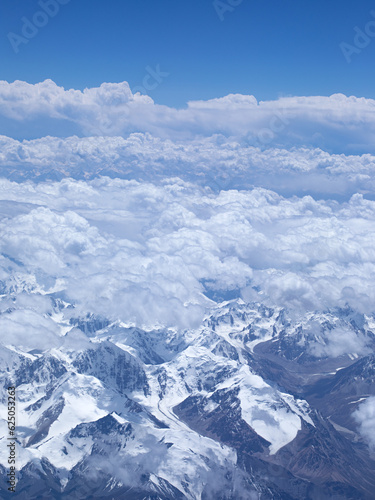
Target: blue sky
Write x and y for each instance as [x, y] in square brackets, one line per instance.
[265, 48]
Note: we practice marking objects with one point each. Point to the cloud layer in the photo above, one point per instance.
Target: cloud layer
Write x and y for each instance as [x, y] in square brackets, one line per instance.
[215, 161]
[151, 255]
[337, 123]
[212, 201]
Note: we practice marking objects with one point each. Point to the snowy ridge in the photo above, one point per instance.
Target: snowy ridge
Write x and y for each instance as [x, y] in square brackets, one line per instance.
[154, 403]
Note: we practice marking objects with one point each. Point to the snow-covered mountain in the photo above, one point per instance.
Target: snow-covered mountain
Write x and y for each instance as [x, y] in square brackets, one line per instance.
[254, 403]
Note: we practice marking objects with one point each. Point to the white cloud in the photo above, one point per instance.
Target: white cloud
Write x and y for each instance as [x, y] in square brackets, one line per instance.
[99, 111]
[340, 341]
[365, 416]
[229, 102]
[145, 253]
[28, 329]
[215, 161]
[344, 124]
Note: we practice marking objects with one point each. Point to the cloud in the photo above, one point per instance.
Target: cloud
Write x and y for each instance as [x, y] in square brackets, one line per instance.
[214, 161]
[151, 254]
[340, 341]
[229, 102]
[365, 417]
[21, 100]
[28, 330]
[97, 111]
[336, 123]
[49, 240]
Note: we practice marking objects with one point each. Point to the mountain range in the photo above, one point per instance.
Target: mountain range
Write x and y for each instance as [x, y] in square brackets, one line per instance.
[255, 403]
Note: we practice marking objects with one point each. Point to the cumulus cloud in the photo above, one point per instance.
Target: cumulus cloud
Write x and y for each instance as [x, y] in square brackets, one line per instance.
[213, 161]
[100, 110]
[365, 417]
[340, 341]
[338, 123]
[28, 330]
[150, 254]
[51, 240]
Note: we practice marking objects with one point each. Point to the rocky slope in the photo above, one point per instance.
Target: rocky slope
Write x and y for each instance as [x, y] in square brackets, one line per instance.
[254, 403]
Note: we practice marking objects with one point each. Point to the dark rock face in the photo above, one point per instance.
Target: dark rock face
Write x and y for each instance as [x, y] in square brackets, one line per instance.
[45, 421]
[90, 324]
[224, 423]
[318, 463]
[338, 395]
[112, 366]
[44, 370]
[37, 480]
